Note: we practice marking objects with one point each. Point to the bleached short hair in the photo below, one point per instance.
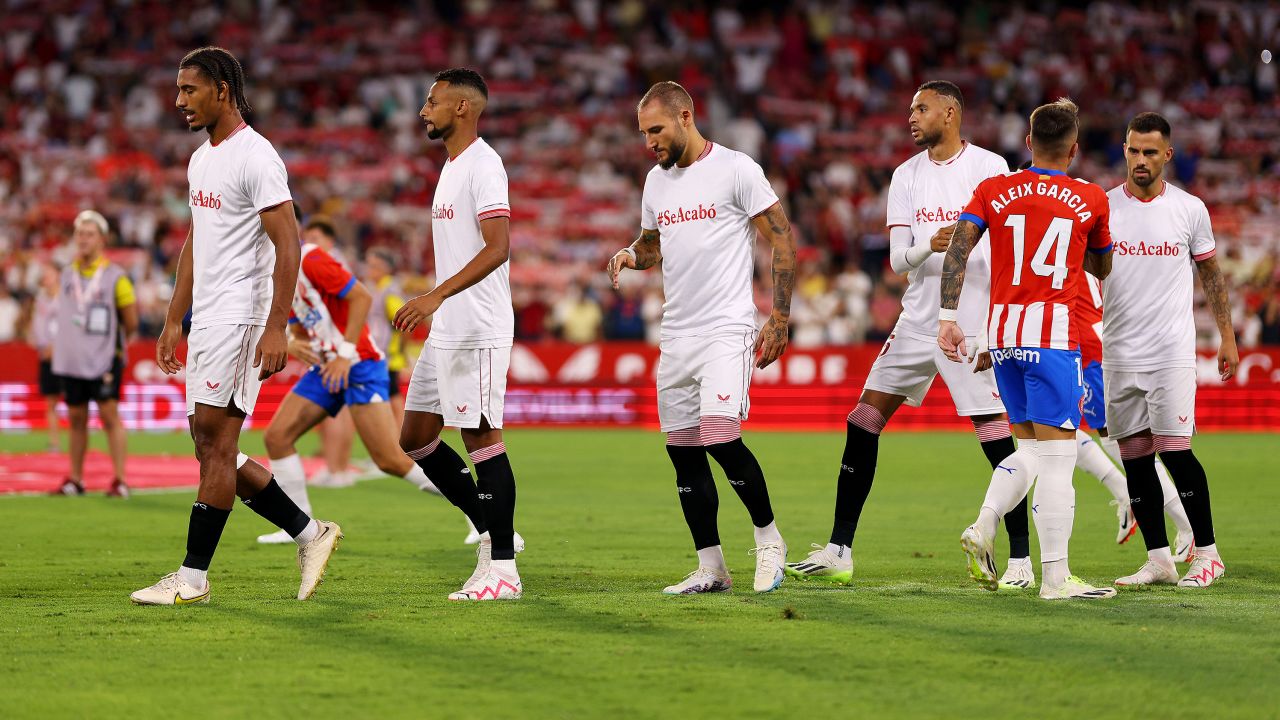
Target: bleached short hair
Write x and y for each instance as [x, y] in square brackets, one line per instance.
[94, 217]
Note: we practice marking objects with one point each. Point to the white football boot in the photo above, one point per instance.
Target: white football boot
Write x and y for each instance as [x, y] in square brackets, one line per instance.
[1019, 575]
[1184, 548]
[1076, 589]
[313, 557]
[1151, 573]
[824, 565]
[702, 580]
[278, 537]
[980, 557]
[1204, 571]
[1126, 520]
[495, 585]
[171, 590]
[771, 558]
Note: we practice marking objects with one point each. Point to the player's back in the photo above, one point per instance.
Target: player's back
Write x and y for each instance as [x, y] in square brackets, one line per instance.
[1040, 223]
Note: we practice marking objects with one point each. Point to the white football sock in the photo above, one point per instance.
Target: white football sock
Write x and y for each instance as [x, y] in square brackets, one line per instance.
[1054, 574]
[1054, 506]
[1010, 481]
[712, 557]
[193, 577]
[1172, 501]
[768, 534]
[418, 478]
[1091, 459]
[1161, 556]
[484, 536]
[309, 533]
[506, 567]
[292, 479]
[1210, 550]
[840, 551]
[1110, 447]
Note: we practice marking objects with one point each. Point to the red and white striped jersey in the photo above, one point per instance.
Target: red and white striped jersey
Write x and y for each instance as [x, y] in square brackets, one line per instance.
[320, 304]
[1089, 318]
[1040, 223]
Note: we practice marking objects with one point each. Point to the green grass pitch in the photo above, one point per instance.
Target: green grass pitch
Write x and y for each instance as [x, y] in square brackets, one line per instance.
[594, 638]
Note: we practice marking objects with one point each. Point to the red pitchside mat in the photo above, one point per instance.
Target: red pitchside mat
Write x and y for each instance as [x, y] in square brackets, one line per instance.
[39, 473]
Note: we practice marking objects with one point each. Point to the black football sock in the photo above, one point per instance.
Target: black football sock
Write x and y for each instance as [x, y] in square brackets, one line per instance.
[746, 478]
[277, 508]
[697, 490]
[1016, 523]
[1146, 498]
[203, 533]
[446, 469]
[496, 490]
[853, 485]
[1193, 487]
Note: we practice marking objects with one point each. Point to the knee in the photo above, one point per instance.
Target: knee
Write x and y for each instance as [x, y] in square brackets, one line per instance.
[78, 416]
[277, 441]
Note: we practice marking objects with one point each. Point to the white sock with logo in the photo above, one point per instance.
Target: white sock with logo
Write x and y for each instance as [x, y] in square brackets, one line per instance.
[1054, 507]
[1010, 481]
[840, 551]
[1091, 459]
[1172, 501]
[193, 577]
[713, 558]
[292, 479]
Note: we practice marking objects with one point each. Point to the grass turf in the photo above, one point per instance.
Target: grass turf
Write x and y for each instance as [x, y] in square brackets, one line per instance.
[594, 638]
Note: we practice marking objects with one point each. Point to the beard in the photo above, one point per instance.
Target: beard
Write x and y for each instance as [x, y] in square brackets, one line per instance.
[435, 133]
[929, 139]
[1144, 180]
[674, 153]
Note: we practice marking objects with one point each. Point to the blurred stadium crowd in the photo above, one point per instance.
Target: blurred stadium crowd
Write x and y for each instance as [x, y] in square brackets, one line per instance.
[817, 91]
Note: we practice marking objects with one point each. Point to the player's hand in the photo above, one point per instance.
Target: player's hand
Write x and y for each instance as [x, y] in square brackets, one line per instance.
[272, 352]
[952, 341]
[1228, 358]
[619, 261]
[941, 239]
[302, 350]
[982, 362]
[335, 374]
[416, 310]
[167, 349]
[772, 340]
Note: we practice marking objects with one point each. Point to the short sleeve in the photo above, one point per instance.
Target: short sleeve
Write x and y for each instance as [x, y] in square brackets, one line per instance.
[752, 190]
[1100, 233]
[899, 208]
[976, 211]
[999, 166]
[648, 218]
[489, 191]
[266, 182]
[1201, 242]
[326, 274]
[125, 295]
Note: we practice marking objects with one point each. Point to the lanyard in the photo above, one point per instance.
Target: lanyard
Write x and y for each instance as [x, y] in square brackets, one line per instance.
[83, 292]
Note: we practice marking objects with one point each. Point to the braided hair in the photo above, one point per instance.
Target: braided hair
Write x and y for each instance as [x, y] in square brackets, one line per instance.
[220, 66]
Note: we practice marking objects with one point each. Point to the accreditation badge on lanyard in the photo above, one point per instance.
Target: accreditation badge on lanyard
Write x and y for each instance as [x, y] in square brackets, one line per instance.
[93, 317]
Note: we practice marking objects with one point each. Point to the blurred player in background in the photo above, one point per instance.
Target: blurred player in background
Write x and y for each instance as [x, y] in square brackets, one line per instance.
[460, 379]
[347, 371]
[703, 205]
[1149, 335]
[236, 273]
[1045, 229]
[97, 316]
[388, 298]
[926, 196]
[44, 329]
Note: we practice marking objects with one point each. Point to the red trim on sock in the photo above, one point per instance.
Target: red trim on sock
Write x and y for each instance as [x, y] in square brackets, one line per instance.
[1136, 447]
[988, 430]
[488, 453]
[1171, 443]
[868, 418]
[685, 437]
[715, 429]
[424, 451]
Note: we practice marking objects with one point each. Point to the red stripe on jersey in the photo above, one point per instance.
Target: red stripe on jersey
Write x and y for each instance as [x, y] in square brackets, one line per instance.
[489, 214]
[1205, 255]
[328, 278]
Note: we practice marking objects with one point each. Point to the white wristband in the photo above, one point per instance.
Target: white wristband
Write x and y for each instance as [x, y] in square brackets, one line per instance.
[946, 315]
[629, 251]
[347, 351]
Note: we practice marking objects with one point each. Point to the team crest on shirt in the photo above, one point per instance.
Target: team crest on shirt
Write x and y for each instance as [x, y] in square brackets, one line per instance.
[681, 215]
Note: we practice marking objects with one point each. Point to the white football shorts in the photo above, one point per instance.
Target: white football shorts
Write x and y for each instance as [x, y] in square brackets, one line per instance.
[907, 366]
[220, 367]
[704, 375]
[462, 385]
[1163, 401]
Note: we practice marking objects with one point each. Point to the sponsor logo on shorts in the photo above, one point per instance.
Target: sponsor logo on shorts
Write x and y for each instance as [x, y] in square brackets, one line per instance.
[1183, 418]
[461, 408]
[723, 398]
[995, 395]
[212, 385]
[1023, 354]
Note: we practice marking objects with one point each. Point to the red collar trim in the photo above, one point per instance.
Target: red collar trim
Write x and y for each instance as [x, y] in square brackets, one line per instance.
[239, 127]
[455, 157]
[705, 151]
[1164, 189]
[964, 145]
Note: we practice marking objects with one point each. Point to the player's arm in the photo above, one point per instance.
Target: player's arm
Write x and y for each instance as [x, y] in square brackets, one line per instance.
[642, 254]
[496, 233]
[1097, 257]
[774, 226]
[1215, 291]
[282, 228]
[337, 370]
[179, 304]
[950, 336]
[127, 308]
[1098, 264]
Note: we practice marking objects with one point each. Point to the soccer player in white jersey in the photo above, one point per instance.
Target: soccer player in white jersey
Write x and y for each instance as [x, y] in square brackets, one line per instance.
[236, 273]
[460, 379]
[702, 207]
[926, 196]
[1161, 231]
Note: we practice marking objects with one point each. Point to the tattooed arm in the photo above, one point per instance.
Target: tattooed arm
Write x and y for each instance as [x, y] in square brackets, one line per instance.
[950, 335]
[643, 254]
[1215, 291]
[773, 224]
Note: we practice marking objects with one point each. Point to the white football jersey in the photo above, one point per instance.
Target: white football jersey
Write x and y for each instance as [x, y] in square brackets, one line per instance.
[1147, 321]
[472, 188]
[703, 217]
[231, 255]
[925, 195]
